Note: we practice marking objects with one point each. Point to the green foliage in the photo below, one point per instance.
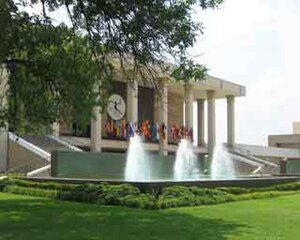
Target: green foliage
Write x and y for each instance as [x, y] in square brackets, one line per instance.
[57, 72]
[112, 194]
[130, 196]
[191, 196]
[145, 201]
[209, 192]
[31, 191]
[83, 193]
[188, 71]
[52, 76]
[294, 186]
[176, 191]
[3, 183]
[235, 190]
[103, 193]
[43, 185]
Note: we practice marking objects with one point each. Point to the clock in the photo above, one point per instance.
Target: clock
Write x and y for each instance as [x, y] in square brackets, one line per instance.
[116, 107]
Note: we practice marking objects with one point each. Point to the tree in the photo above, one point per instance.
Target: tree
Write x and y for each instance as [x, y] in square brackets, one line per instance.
[58, 67]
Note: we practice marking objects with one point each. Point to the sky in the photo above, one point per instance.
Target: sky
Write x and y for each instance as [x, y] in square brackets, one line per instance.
[254, 43]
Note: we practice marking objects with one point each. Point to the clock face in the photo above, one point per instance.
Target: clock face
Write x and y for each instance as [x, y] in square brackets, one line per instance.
[116, 107]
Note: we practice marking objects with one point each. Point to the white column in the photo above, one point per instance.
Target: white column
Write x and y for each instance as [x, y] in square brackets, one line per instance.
[188, 102]
[96, 130]
[201, 122]
[230, 121]
[211, 121]
[163, 117]
[132, 102]
[55, 129]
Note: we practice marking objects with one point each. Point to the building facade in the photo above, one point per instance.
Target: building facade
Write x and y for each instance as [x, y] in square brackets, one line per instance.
[162, 114]
[286, 140]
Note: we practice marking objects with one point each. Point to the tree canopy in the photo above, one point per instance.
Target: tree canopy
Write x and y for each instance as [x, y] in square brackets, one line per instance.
[58, 71]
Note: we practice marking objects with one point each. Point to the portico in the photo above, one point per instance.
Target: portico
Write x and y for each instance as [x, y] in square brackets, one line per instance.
[209, 90]
[167, 106]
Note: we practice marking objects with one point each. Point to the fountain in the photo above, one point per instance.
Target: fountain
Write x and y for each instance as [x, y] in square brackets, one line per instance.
[186, 162]
[137, 162]
[152, 171]
[222, 164]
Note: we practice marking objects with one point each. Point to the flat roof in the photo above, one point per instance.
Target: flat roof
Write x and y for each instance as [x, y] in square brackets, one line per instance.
[222, 87]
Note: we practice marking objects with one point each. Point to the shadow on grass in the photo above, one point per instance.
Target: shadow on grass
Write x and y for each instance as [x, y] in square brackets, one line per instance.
[37, 218]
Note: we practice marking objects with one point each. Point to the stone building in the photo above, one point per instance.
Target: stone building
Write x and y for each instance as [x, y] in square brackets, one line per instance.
[286, 140]
[170, 104]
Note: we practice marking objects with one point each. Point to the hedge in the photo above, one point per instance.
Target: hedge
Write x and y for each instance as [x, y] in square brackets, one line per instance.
[31, 191]
[130, 196]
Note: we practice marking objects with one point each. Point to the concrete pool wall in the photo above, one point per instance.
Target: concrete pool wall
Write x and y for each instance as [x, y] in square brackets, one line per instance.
[105, 165]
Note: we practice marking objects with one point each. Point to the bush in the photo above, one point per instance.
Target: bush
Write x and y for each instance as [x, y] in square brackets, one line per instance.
[235, 190]
[82, 193]
[294, 186]
[208, 192]
[130, 196]
[145, 201]
[176, 191]
[3, 183]
[192, 196]
[102, 193]
[112, 194]
[46, 185]
[31, 191]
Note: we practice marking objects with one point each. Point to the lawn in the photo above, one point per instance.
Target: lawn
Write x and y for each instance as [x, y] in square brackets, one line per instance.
[24, 217]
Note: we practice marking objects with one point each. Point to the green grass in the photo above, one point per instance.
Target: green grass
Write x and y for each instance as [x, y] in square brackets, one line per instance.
[24, 217]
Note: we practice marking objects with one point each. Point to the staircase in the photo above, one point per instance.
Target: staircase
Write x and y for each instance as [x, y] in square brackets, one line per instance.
[32, 153]
[49, 143]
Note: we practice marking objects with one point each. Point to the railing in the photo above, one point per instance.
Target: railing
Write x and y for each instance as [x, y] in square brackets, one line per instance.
[241, 152]
[39, 170]
[29, 146]
[66, 144]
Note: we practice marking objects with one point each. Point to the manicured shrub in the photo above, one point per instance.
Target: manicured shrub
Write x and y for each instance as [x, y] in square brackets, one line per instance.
[294, 186]
[112, 194]
[46, 185]
[128, 195]
[235, 190]
[82, 193]
[102, 193]
[31, 191]
[208, 192]
[3, 183]
[165, 202]
[145, 201]
[176, 191]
